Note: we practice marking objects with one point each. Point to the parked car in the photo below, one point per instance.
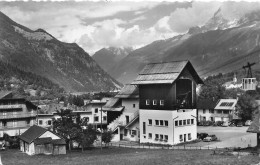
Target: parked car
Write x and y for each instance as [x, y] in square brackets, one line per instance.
[201, 135]
[210, 138]
[2, 145]
[219, 123]
[225, 124]
[248, 123]
[239, 124]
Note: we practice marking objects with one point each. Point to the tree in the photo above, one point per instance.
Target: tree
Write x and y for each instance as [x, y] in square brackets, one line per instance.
[65, 126]
[247, 106]
[107, 136]
[87, 136]
[72, 128]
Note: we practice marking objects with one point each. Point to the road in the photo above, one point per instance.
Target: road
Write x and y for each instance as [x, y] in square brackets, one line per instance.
[228, 137]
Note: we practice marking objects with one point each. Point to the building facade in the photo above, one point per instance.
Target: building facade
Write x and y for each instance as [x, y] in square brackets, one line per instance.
[16, 115]
[123, 113]
[167, 102]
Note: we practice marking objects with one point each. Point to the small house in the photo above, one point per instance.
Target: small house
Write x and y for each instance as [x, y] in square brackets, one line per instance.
[38, 140]
[226, 110]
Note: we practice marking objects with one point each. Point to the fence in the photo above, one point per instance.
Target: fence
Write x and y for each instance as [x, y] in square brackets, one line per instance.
[155, 146]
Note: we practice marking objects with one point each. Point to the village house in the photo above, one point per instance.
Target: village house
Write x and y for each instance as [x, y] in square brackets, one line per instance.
[95, 107]
[16, 114]
[38, 140]
[205, 109]
[167, 102]
[123, 114]
[226, 110]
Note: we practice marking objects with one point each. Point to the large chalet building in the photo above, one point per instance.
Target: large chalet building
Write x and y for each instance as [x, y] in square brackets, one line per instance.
[16, 114]
[167, 102]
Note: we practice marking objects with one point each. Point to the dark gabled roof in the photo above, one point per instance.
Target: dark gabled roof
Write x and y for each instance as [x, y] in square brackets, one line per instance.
[165, 73]
[128, 91]
[206, 104]
[113, 104]
[32, 133]
[58, 141]
[43, 140]
[4, 94]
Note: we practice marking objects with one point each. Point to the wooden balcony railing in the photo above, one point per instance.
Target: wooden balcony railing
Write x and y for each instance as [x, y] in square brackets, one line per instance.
[17, 115]
[15, 106]
[15, 127]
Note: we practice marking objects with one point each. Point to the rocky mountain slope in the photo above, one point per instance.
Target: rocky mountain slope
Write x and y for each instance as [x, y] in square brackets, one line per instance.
[65, 64]
[219, 46]
[108, 57]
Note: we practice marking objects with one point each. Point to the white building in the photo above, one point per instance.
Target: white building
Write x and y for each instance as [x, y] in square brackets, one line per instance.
[167, 102]
[226, 110]
[205, 110]
[123, 114]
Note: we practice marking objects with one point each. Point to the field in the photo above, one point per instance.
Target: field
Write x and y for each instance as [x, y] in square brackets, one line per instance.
[127, 156]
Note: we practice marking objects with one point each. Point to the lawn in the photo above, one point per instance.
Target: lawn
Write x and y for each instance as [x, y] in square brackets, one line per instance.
[127, 156]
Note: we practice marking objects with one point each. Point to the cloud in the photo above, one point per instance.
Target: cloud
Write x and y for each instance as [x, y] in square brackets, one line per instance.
[182, 19]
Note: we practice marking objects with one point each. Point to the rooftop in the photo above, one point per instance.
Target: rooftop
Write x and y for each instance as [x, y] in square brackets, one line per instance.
[165, 73]
[226, 104]
[128, 91]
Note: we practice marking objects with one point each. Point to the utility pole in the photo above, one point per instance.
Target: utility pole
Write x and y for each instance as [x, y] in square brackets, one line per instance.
[101, 128]
[249, 71]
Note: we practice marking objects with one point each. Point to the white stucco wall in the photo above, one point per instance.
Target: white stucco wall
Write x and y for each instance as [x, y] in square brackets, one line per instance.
[207, 114]
[135, 127]
[161, 130]
[188, 128]
[171, 130]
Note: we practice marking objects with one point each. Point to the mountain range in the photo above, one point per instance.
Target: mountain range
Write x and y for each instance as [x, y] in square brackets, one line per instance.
[219, 46]
[65, 64]
[107, 58]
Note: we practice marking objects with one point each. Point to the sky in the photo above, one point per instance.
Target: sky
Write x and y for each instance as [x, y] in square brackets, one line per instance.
[97, 24]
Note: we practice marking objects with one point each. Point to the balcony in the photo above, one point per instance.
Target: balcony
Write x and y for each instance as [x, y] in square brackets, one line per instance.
[15, 106]
[15, 127]
[17, 115]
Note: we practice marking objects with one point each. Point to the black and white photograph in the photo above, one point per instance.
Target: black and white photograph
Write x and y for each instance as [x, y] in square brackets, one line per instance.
[128, 82]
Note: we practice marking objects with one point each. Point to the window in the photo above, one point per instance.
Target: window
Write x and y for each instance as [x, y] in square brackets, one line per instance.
[192, 121]
[165, 138]
[161, 122]
[154, 102]
[181, 138]
[211, 110]
[162, 102]
[188, 121]
[184, 122]
[133, 105]
[161, 137]
[96, 110]
[150, 122]
[156, 122]
[150, 135]
[49, 122]
[104, 118]
[125, 132]
[189, 136]
[144, 128]
[166, 123]
[133, 132]
[147, 102]
[156, 137]
[180, 122]
[96, 119]
[176, 123]
[204, 110]
[87, 119]
[40, 122]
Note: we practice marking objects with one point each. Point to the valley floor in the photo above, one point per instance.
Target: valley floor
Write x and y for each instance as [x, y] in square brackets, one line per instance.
[127, 156]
